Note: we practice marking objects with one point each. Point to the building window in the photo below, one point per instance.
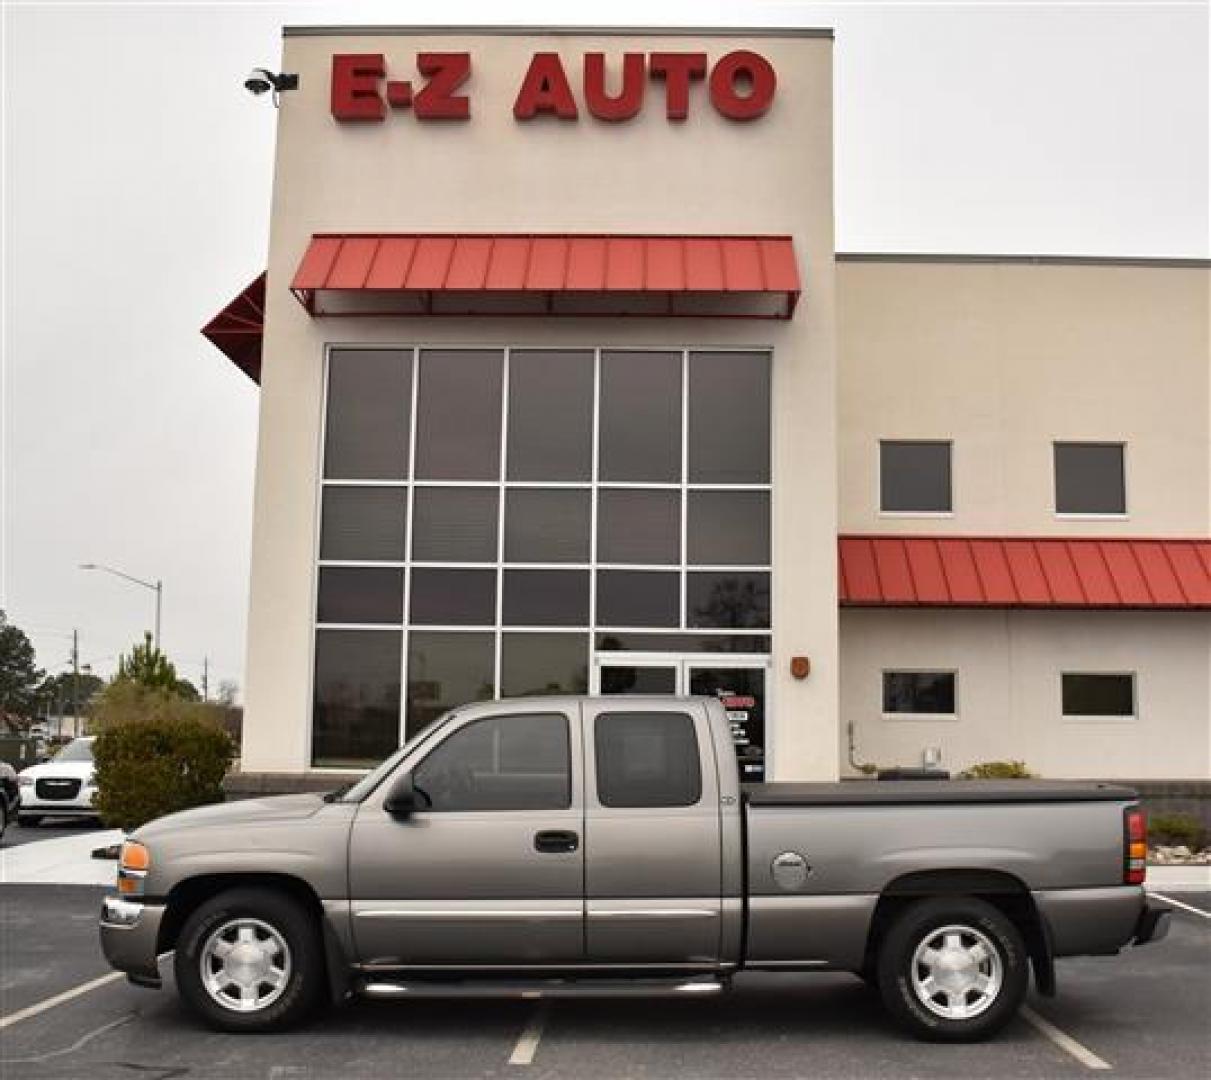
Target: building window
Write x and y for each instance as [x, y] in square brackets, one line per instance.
[919, 693]
[1098, 694]
[1090, 478]
[491, 513]
[914, 477]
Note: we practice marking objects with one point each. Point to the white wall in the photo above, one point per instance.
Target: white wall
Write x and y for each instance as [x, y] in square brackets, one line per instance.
[1009, 665]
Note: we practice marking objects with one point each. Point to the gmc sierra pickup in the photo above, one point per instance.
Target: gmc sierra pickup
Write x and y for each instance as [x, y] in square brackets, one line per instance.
[560, 846]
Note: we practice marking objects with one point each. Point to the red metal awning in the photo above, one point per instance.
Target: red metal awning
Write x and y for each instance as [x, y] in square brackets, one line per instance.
[237, 330]
[1002, 572]
[515, 274]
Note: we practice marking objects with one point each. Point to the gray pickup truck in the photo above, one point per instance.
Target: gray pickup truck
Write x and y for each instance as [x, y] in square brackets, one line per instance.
[605, 846]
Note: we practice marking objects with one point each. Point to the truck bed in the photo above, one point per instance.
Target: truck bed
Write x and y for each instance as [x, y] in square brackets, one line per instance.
[924, 792]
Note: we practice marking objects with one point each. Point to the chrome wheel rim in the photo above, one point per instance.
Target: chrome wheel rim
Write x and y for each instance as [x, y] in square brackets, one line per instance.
[957, 972]
[245, 965]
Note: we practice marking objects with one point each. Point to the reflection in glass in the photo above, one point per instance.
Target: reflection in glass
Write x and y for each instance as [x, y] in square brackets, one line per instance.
[728, 528]
[550, 414]
[363, 523]
[727, 599]
[360, 594]
[367, 417]
[729, 411]
[616, 641]
[632, 679]
[445, 670]
[458, 414]
[638, 526]
[640, 417]
[356, 705]
[919, 692]
[455, 524]
[547, 525]
[453, 597]
[544, 664]
[546, 598]
[638, 598]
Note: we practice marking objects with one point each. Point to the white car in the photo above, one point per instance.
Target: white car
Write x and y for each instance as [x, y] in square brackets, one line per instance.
[65, 786]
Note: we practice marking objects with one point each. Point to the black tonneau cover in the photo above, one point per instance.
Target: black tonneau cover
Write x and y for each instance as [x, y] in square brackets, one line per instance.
[884, 792]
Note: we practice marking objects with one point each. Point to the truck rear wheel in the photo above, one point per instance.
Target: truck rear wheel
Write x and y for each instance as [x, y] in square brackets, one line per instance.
[250, 959]
[952, 969]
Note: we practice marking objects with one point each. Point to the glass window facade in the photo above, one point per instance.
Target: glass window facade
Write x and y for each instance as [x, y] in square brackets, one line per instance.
[1090, 478]
[487, 515]
[914, 477]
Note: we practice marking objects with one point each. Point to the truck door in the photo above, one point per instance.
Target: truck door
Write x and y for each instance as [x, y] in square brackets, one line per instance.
[652, 835]
[491, 870]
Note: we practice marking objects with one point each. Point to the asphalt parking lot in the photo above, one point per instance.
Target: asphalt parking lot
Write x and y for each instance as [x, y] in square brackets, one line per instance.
[1145, 1014]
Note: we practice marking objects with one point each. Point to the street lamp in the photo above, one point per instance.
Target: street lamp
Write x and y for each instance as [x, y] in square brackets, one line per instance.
[157, 587]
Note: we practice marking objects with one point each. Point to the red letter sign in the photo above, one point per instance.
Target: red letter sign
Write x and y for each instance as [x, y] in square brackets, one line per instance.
[355, 79]
[447, 72]
[545, 89]
[629, 100]
[744, 67]
[677, 70]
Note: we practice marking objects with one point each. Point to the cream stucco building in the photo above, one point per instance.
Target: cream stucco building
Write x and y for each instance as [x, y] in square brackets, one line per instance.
[564, 387]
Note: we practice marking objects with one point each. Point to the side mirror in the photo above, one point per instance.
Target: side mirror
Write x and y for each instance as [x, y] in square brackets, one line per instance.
[402, 800]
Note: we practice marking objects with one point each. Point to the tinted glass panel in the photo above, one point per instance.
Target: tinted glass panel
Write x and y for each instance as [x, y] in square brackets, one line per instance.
[729, 418]
[500, 763]
[1098, 694]
[455, 524]
[637, 598]
[550, 415]
[725, 599]
[914, 477]
[638, 526]
[546, 598]
[458, 415]
[638, 679]
[710, 643]
[646, 759]
[363, 523]
[728, 528]
[546, 525]
[1089, 479]
[543, 664]
[453, 597]
[919, 692]
[445, 670]
[742, 692]
[640, 421]
[356, 706]
[361, 594]
[369, 403]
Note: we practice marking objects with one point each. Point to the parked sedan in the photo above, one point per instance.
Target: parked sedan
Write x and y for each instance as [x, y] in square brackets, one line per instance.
[65, 786]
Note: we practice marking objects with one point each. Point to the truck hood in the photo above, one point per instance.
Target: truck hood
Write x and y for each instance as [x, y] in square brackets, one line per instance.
[244, 812]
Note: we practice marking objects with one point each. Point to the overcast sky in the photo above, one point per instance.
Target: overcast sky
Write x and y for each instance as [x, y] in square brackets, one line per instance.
[136, 203]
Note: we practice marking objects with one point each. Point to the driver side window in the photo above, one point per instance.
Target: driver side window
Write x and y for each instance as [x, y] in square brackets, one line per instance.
[520, 762]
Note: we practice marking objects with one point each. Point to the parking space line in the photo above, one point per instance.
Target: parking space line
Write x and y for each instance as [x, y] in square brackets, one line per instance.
[1185, 907]
[65, 997]
[1064, 1041]
[527, 1043]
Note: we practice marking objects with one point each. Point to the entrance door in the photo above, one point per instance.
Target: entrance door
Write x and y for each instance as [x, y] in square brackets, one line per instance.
[738, 681]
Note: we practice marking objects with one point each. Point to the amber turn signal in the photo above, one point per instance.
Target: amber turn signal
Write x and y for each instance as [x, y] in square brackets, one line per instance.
[134, 856]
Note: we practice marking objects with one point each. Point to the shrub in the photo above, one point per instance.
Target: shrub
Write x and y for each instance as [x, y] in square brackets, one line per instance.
[1176, 829]
[997, 770]
[156, 754]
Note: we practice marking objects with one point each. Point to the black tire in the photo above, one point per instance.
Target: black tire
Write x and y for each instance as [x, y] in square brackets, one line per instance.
[902, 982]
[27, 821]
[3, 818]
[304, 983]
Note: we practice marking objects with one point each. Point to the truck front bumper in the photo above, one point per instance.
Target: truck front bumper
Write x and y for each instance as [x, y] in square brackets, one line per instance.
[130, 932]
[1153, 924]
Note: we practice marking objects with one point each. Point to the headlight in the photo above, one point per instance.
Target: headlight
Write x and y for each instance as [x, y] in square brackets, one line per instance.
[133, 864]
[25, 781]
[91, 780]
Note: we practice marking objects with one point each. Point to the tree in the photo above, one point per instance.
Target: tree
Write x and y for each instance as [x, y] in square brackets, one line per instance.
[19, 675]
[60, 692]
[150, 668]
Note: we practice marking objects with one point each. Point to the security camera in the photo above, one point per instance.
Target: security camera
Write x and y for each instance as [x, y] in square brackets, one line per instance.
[259, 82]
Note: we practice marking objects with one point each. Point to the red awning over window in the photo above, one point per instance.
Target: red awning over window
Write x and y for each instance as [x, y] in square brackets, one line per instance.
[237, 330]
[510, 274]
[900, 571]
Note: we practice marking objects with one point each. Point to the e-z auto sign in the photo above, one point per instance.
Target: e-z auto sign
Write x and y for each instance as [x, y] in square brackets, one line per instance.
[740, 85]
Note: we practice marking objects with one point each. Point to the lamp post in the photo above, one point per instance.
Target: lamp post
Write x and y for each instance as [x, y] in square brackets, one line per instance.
[156, 586]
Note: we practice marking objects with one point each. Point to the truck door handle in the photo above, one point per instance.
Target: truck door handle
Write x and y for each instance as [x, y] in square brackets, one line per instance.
[556, 841]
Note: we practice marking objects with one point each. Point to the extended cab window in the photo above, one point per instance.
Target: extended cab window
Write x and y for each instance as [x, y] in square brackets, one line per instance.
[520, 762]
[647, 759]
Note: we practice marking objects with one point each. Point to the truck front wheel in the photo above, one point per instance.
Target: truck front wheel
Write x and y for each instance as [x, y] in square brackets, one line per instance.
[952, 969]
[250, 959]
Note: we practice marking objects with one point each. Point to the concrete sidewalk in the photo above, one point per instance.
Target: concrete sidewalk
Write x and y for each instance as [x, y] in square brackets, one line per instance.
[1179, 879]
[66, 860]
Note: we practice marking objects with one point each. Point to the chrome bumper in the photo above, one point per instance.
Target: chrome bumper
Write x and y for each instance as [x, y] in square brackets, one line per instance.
[130, 934]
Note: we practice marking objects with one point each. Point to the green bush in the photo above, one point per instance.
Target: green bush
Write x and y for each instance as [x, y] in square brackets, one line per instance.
[1176, 829]
[997, 770]
[156, 754]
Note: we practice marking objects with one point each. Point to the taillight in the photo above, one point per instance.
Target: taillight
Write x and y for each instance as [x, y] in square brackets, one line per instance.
[1135, 846]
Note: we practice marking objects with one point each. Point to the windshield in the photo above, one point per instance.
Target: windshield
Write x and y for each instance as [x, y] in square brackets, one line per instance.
[374, 777]
[76, 750]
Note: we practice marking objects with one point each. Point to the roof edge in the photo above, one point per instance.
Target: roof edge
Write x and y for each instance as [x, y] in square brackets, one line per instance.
[560, 31]
[1024, 260]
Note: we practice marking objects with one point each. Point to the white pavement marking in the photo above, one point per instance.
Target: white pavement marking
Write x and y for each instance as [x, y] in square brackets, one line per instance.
[65, 997]
[1064, 1041]
[65, 860]
[527, 1044]
[1184, 907]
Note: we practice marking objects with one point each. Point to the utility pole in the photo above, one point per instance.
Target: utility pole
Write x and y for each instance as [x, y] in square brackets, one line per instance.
[75, 681]
[205, 678]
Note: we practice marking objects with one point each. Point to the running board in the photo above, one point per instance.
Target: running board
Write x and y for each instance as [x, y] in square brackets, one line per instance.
[542, 988]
